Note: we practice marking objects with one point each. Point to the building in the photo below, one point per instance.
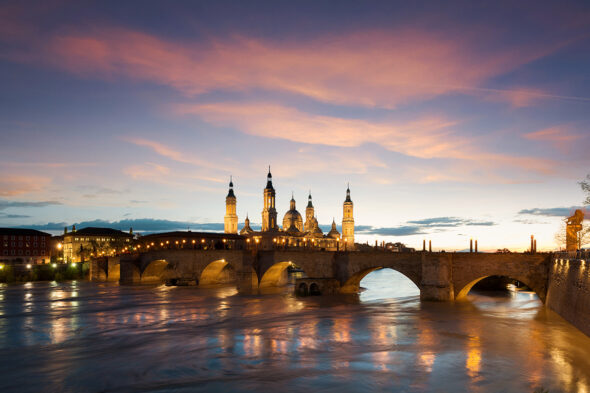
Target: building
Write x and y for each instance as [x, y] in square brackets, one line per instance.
[230, 221]
[294, 232]
[81, 245]
[27, 246]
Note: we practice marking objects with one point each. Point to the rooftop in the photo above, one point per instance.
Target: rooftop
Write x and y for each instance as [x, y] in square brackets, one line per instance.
[22, 232]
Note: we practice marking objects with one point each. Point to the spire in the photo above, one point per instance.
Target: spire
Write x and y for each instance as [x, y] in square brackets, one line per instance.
[231, 188]
[292, 204]
[348, 193]
[269, 179]
[309, 204]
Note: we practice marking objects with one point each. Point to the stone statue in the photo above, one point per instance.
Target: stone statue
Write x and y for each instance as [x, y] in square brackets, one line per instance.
[573, 226]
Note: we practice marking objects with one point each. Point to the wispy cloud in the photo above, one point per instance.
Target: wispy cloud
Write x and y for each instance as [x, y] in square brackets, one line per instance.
[560, 137]
[551, 211]
[423, 226]
[12, 185]
[6, 204]
[450, 222]
[425, 137]
[369, 68]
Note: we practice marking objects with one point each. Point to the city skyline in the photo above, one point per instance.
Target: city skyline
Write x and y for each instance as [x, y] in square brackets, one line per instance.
[123, 116]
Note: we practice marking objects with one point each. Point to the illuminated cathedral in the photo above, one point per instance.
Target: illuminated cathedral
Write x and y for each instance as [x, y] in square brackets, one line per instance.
[294, 231]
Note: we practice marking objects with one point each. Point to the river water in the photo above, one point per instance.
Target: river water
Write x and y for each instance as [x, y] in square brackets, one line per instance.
[87, 337]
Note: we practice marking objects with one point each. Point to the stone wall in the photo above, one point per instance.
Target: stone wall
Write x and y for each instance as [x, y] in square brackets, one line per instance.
[569, 291]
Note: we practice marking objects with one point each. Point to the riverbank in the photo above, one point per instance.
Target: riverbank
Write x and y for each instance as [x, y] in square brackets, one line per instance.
[49, 272]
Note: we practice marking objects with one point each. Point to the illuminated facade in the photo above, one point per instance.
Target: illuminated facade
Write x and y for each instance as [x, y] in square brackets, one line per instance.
[81, 245]
[24, 246]
[294, 232]
[230, 221]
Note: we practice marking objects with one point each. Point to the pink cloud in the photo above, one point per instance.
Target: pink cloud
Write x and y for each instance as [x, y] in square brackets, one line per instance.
[12, 185]
[427, 137]
[561, 137]
[373, 68]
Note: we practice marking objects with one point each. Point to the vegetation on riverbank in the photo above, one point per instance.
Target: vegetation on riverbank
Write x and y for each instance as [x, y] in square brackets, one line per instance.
[48, 272]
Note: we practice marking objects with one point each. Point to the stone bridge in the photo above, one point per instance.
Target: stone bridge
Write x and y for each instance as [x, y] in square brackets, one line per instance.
[562, 282]
[439, 276]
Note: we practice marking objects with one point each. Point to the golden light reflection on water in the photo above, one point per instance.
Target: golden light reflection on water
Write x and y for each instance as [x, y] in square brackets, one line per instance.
[473, 361]
[425, 343]
[392, 341]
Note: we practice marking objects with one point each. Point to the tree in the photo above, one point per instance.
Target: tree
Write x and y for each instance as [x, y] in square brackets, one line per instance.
[585, 184]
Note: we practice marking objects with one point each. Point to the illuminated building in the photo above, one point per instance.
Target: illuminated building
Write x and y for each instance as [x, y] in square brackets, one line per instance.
[294, 233]
[230, 221]
[24, 246]
[85, 243]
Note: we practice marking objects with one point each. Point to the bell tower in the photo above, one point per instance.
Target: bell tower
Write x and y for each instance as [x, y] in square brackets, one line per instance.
[230, 221]
[309, 214]
[269, 213]
[348, 222]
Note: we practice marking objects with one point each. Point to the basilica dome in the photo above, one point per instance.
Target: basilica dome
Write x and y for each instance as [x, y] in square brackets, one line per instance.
[292, 218]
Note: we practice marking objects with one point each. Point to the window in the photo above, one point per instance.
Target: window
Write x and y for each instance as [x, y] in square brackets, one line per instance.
[28, 252]
[35, 238]
[12, 252]
[5, 252]
[20, 238]
[28, 238]
[13, 244]
[20, 252]
[35, 252]
[20, 244]
[13, 237]
[35, 245]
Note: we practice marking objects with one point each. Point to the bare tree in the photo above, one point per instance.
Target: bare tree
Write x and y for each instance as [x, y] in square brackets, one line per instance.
[585, 184]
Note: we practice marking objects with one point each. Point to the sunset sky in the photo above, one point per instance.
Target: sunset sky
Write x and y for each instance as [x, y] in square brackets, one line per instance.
[449, 120]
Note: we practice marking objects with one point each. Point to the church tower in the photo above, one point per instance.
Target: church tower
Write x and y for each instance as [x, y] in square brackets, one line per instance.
[230, 221]
[348, 222]
[309, 215]
[269, 213]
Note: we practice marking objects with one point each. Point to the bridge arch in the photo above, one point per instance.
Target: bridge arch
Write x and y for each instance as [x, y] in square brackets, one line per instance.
[219, 271]
[154, 271]
[464, 291]
[352, 285]
[276, 275]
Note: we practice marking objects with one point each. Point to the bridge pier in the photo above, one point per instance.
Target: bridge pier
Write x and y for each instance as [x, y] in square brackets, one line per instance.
[437, 281]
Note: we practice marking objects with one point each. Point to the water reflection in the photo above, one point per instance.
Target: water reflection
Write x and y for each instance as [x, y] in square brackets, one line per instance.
[74, 337]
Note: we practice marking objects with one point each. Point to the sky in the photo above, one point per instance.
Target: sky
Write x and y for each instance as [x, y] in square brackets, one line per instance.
[449, 120]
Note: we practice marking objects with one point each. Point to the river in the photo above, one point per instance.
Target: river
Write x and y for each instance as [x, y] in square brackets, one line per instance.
[88, 337]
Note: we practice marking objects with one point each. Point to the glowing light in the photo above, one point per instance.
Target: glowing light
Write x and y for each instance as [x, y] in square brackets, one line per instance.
[202, 240]
[73, 264]
[194, 241]
[184, 241]
[59, 246]
[1, 267]
[28, 266]
[54, 265]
